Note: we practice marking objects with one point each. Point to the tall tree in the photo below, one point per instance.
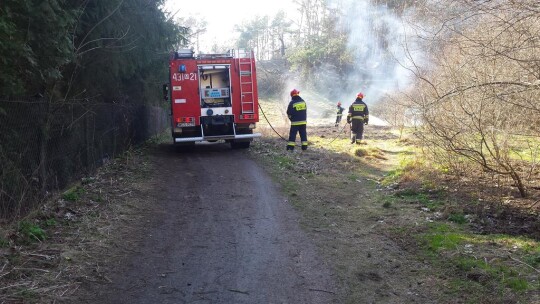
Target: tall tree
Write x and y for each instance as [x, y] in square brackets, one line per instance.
[35, 44]
[75, 55]
[269, 36]
[321, 55]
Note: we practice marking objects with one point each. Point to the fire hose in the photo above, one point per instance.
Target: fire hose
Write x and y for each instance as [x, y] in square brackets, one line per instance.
[266, 118]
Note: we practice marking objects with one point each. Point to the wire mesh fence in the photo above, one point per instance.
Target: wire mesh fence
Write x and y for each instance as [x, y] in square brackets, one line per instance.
[46, 145]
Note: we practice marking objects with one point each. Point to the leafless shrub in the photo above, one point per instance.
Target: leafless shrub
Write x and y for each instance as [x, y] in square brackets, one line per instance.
[479, 99]
[397, 111]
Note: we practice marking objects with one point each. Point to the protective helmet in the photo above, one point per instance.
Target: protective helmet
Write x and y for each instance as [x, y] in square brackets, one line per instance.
[295, 92]
[339, 103]
[360, 95]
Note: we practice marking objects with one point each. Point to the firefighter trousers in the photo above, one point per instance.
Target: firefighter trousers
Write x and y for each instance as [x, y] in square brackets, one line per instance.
[338, 118]
[292, 137]
[357, 130]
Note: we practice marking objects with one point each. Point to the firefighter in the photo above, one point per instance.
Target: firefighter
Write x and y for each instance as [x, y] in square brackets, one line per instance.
[339, 113]
[358, 117]
[297, 112]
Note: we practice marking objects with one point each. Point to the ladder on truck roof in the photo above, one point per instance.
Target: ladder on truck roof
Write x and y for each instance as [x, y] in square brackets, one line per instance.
[245, 67]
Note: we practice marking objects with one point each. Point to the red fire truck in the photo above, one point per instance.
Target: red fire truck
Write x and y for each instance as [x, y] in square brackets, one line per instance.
[213, 97]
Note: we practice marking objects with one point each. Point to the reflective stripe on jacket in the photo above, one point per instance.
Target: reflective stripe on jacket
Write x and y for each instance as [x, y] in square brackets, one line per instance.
[297, 111]
[358, 110]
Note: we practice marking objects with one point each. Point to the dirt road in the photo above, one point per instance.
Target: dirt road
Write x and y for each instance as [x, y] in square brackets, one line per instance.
[217, 231]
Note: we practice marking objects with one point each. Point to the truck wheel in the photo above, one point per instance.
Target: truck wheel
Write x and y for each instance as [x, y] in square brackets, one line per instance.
[240, 145]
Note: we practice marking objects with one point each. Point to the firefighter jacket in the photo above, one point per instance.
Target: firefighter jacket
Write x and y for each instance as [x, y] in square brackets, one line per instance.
[340, 110]
[297, 111]
[358, 111]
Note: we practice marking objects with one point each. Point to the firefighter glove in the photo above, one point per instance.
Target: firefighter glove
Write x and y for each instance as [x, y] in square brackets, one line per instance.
[366, 122]
[348, 120]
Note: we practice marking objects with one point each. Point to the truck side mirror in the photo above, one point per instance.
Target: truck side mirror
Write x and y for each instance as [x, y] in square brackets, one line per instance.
[166, 92]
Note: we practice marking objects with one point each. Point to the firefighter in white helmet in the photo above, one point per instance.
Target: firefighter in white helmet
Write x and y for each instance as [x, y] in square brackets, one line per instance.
[297, 112]
[358, 117]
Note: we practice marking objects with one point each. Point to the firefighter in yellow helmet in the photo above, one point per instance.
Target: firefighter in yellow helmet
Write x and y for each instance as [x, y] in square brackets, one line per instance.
[358, 117]
[297, 112]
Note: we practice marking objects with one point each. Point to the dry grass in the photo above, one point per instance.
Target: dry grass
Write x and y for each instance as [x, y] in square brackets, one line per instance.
[76, 232]
[370, 152]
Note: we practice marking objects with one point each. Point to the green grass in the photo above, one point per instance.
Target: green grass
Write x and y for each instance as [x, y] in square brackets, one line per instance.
[430, 200]
[445, 246]
[533, 259]
[517, 284]
[50, 222]
[285, 162]
[73, 194]
[4, 243]
[31, 232]
[406, 162]
[164, 137]
[525, 148]
[392, 176]
[352, 177]
[441, 236]
[457, 218]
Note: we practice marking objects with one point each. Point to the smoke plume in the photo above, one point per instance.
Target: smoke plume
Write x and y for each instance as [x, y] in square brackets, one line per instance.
[378, 39]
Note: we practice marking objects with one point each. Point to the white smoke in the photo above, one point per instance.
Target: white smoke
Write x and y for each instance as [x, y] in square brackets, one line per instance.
[378, 39]
[381, 44]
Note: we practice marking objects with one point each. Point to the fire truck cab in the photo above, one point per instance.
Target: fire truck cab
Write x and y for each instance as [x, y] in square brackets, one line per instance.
[213, 97]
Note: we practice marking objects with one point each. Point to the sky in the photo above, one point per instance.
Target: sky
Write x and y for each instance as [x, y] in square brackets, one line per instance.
[221, 16]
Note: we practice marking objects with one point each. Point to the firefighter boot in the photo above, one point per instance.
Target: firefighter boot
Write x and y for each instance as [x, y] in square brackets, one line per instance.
[360, 140]
[353, 138]
[290, 148]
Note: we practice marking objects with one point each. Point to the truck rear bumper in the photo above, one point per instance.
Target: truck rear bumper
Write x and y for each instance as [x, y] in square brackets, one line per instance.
[228, 137]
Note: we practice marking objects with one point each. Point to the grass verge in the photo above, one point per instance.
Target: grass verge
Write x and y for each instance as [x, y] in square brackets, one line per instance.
[391, 243]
